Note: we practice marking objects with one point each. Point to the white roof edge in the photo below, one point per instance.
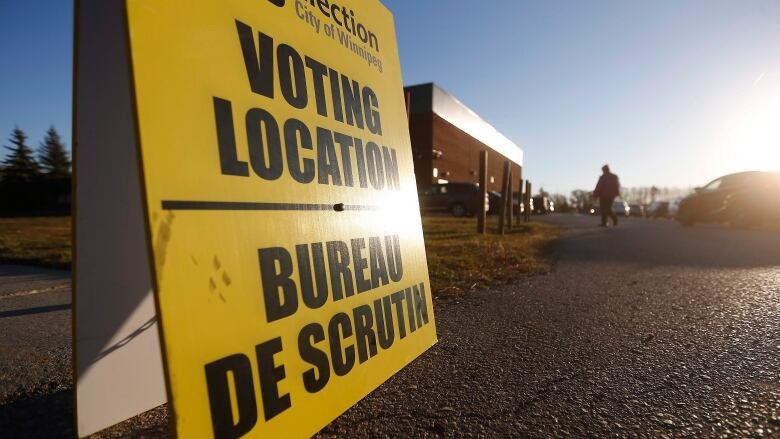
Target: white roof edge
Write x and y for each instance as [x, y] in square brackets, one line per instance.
[453, 111]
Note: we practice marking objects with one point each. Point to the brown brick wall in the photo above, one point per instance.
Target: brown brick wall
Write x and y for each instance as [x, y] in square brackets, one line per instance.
[460, 159]
[421, 135]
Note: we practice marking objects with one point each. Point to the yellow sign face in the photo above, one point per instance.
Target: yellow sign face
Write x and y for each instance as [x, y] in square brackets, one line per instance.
[289, 262]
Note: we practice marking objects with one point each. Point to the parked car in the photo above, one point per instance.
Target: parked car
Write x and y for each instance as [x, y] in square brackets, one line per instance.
[494, 200]
[542, 205]
[621, 208]
[753, 208]
[674, 207]
[459, 199]
[637, 210]
[658, 209]
[518, 207]
[707, 204]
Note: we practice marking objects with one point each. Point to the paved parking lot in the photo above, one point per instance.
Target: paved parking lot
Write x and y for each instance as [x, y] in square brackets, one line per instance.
[647, 329]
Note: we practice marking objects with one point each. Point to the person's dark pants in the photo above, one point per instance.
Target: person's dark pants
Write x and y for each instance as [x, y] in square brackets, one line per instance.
[605, 203]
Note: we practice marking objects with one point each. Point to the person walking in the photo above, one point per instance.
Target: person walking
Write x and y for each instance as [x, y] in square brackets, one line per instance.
[607, 189]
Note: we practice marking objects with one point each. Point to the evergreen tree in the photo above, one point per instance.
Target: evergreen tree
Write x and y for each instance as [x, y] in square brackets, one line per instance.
[52, 155]
[20, 164]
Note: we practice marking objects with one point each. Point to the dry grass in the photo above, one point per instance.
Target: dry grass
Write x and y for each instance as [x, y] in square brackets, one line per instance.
[43, 241]
[459, 260]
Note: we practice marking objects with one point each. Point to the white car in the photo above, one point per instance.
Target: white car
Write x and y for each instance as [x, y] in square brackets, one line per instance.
[621, 208]
[674, 207]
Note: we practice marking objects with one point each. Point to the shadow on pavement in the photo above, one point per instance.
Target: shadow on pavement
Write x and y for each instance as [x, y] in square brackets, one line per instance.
[35, 310]
[38, 416]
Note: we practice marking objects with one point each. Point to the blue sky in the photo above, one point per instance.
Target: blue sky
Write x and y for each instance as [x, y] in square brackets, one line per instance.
[35, 77]
[671, 93]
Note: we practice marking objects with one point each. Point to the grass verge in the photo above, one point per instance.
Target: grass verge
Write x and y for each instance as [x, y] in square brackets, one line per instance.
[43, 241]
[459, 260]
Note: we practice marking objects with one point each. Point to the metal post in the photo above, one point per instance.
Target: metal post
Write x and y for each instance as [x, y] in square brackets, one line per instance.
[527, 201]
[508, 200]
[483, 173]
[519, 217]
[504, 190]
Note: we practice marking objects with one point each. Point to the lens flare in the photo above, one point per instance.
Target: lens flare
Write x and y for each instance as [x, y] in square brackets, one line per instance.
[753, 133]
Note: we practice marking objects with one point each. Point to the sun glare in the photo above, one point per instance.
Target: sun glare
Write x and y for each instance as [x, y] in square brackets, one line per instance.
[754, 135]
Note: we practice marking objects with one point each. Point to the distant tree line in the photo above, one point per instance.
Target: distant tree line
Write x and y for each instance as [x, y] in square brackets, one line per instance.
[35, 182]
[648, 194]
[582, 200]
[562, 203]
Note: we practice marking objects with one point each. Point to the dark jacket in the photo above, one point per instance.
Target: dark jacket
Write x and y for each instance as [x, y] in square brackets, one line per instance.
[608, 186]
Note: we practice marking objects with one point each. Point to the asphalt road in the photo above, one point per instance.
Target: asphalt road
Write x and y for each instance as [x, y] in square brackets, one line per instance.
[647, 329]
[35, 352]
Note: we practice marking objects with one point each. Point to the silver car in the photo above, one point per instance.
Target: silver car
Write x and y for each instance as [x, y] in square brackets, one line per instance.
[674, 207]
[621, 208]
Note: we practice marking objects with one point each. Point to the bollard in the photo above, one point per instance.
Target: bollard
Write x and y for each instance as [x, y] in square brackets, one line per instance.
[518, 216]
[483, 171]
[527, 201]
[508, 200]
[502, 207]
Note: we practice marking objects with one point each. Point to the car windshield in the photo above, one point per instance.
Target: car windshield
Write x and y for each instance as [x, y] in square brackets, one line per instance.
[713, 185]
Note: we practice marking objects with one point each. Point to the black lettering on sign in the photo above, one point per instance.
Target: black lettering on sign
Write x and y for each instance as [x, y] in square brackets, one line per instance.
[269, 168]
[376, 172]
[394, 264]
[410, 310]
[378, 267]
[370, 106]
[339, 329]
[391, 168]
[348, 98]
[218, 385]
[365, 338]
[275, 270]
[361, 163]
[292, 77]
[270, 375]
[345, 142]
[338, 266]
[226, 140]
[317, 377]
[360, 263]
[384, 322]
[327, 162]
[352, 106]
[310, 298]
[335, 90]
[293, 130]
[264, 144]
[398, 298]
[318, 72]
[420, 304]
[354, 266]
[259, 66]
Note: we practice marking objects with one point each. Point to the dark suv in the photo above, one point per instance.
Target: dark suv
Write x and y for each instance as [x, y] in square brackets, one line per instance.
[458, 199]
[541, 205]
[707, 203]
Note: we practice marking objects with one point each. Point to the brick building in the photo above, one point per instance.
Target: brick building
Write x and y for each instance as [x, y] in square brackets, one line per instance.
[447, 138]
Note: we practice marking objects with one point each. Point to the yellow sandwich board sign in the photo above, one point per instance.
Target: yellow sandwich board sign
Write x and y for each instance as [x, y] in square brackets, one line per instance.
[288, 259]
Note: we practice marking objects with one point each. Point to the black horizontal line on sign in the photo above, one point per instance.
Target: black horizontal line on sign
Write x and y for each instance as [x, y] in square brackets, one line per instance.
[243, 205]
